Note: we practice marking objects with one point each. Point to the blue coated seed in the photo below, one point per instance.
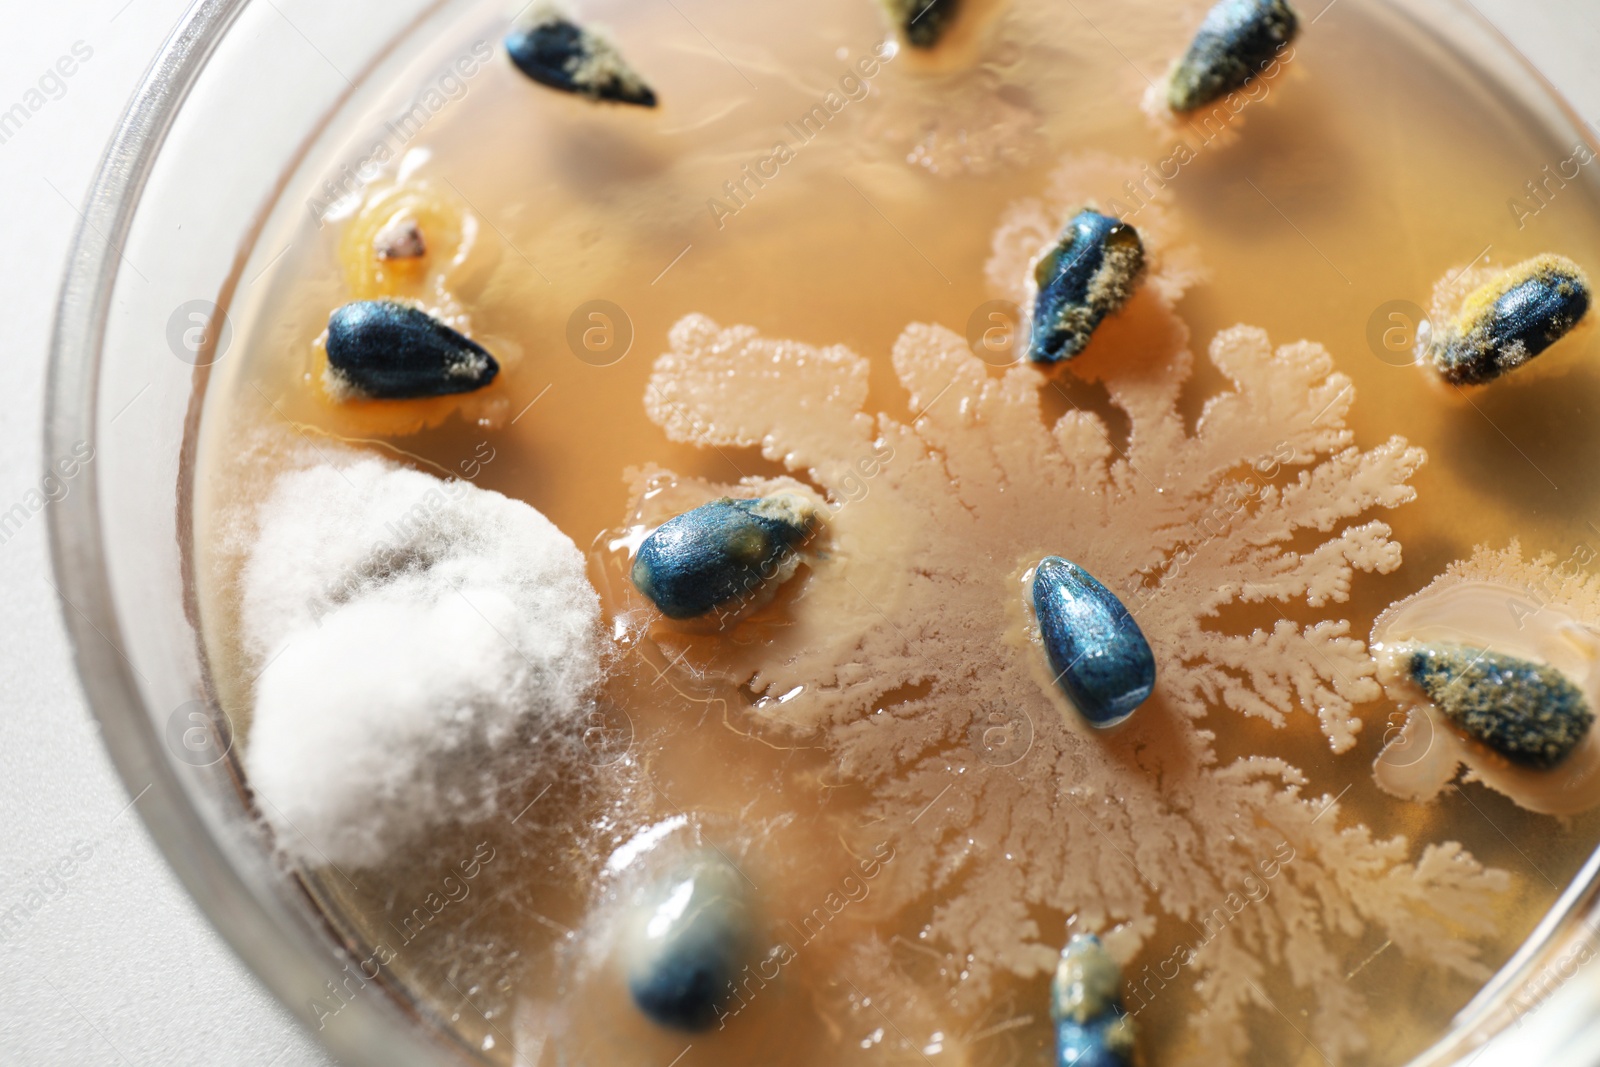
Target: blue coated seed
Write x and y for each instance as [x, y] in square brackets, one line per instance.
[1092, 1029]
[1091, 272]
[722, 556]
[1237, 40]
[385, 350]
[1528, 712]
[1084, 987]
[1513, 318]
[687, 944]
[1095, 1045]
[1097, 652]
[557, 52]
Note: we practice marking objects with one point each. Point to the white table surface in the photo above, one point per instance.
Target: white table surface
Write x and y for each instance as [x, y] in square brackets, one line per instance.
[116, 967]
[113, 964]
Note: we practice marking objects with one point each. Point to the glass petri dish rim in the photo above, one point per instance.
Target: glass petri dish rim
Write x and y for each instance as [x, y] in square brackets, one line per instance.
[286, 952]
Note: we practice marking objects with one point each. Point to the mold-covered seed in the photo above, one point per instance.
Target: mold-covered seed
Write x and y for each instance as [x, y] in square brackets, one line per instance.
[725, 556]
[1085, 984]
[1235, 42]
[385, 350]
[1528, 712]
[400, 238]
[1089, 274]
[1513, 318]
[553, 50]
[1466, 606]
[1098, 654]
[922, 23]
[1092, 1030]
[686, 943]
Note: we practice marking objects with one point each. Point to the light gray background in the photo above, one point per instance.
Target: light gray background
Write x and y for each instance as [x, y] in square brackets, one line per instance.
[118, 967]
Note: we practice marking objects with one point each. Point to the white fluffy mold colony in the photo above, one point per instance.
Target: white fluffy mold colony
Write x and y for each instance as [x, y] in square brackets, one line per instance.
[906, 638]
[420, 646]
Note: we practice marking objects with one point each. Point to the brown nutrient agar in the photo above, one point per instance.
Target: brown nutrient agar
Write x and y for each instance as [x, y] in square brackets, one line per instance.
[925, 824]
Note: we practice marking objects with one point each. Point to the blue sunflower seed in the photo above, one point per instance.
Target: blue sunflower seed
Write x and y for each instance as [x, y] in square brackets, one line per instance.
[922, 22]
[1085, 984]
[555, 51]
[1107, 1042]
[1513, 318]
[1235, 42]
[1099, 655]
[1090, 273]
[687, 943]
[384, 350]
[723, 556]
[1528, 712]
[1092, 1030]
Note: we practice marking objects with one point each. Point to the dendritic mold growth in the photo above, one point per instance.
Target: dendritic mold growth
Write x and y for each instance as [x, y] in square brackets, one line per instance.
[909, 634]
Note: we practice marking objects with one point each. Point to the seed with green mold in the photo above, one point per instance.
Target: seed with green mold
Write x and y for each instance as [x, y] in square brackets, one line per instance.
[1092, 1029]
[553, 50]
[724, 556]
[1529, 712]
[1090, 273]
[1085, 982]
[1506, 322]
[1237, 40]
[386, 350]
